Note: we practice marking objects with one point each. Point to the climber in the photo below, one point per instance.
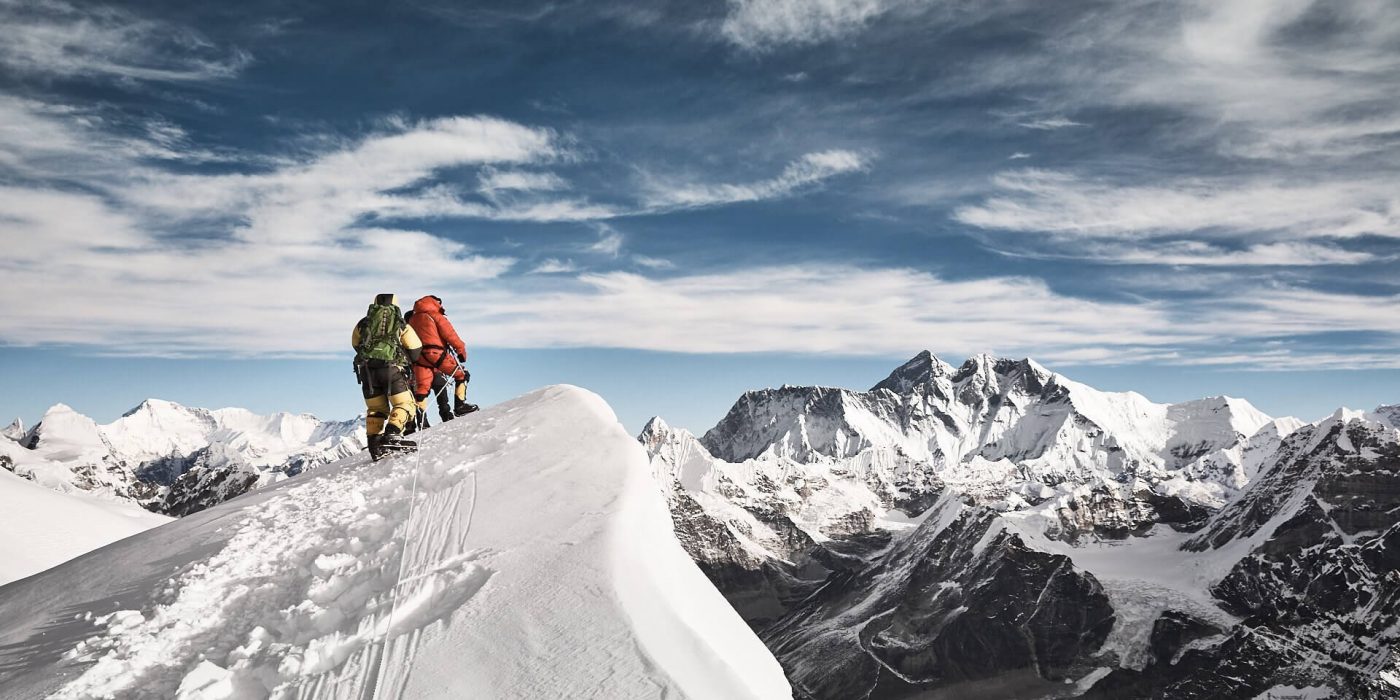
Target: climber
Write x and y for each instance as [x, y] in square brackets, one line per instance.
[384, 347]
[420, 421]
[443, 353]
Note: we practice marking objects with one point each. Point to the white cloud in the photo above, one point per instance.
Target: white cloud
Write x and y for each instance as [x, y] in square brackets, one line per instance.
[1290, 311]
[653, 263]
[554, 266]
[54, 38]
[858, 311]
[1018, 155]
[82, 272]
[806, 171]
[520, 180]
[333, 190]
[1050, 123]
[836, 309]
[609, 241]
[1247, 64]
[1203, 254]
[1059, 203]
[760, 24]
[290, 249]
[1198, 253]
[1293, 80]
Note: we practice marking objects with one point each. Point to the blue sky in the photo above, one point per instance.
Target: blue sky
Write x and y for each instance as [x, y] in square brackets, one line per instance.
[670, 202]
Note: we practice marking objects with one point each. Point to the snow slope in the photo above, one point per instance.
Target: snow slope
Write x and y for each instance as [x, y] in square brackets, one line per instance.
[44, 528]
[537, 559]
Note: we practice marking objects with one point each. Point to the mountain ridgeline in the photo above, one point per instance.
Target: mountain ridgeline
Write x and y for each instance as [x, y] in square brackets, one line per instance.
[173, 459]
[996, 530]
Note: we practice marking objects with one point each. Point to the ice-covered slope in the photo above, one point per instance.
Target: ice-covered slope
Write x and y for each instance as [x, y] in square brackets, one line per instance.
[42, 528]
[174, 459]
[537, 560]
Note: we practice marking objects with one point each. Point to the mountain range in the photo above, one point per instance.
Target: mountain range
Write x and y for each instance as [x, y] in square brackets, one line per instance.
[171, 459]
[998, 530]
[991, 530]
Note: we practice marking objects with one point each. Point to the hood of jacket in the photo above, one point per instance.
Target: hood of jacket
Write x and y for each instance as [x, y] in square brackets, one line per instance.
[428, 305]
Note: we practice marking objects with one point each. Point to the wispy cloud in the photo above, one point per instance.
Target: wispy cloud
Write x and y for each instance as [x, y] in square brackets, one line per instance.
[493, 181]
[1300, 78]
[1050, 123]
[302, 231]
[1203, 254]
[837, 309]
[809, 170]
[554, 266]
[760, 24]
[860, 311]
[653, 263]
[55, 38]
[609, 241]
[1061, 203]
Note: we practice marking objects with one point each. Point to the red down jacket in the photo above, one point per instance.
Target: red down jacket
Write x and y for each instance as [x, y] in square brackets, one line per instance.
[435, 331]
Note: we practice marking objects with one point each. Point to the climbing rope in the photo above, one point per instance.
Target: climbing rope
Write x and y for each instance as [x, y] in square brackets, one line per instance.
[398, 580]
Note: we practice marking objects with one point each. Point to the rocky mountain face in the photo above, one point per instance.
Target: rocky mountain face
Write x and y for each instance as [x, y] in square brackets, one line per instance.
[173, 459]
[997, 530]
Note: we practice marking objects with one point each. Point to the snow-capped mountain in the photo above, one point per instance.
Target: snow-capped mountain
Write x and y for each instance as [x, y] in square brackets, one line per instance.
[997, 530]
[173, 459]
[523, 553]
[792, 466]
[14, 431]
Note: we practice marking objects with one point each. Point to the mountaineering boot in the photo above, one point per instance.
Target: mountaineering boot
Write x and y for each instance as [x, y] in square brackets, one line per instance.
[393, 440]
[396, 444]
[376, 447]
[462, 408]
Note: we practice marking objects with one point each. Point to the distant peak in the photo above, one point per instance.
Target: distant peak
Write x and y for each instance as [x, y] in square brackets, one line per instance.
[15, 431]
[987, 363]
[918, 370]
[153, 405]
[655, 425]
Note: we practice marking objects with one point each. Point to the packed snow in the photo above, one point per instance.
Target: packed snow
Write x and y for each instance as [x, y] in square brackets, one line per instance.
[40, 528]
[524, 552]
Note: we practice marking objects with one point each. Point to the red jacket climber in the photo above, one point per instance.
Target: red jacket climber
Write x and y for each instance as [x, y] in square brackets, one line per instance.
[443, 352]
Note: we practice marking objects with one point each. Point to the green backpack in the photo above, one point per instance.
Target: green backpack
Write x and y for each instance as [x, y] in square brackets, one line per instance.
[379, 335]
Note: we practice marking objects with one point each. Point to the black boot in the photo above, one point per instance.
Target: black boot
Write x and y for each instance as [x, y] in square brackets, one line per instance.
[394, 441]
[376, 447]
[462, 408]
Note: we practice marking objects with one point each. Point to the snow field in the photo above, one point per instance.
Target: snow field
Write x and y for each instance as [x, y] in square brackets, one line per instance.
[43, 528]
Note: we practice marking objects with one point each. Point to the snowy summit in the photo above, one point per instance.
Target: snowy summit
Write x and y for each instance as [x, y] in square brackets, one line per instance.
[524, 553]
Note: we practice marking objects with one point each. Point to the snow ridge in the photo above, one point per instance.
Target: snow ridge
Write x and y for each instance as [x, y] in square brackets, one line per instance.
[536, 558]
